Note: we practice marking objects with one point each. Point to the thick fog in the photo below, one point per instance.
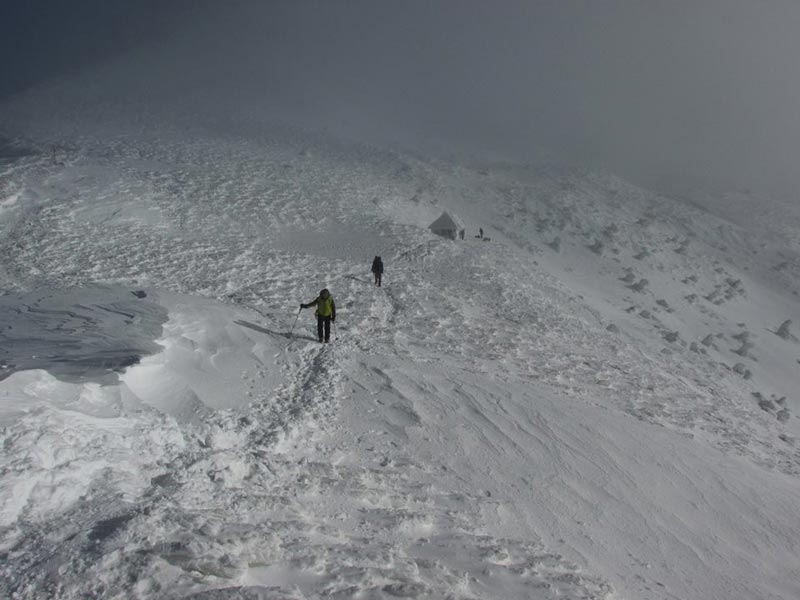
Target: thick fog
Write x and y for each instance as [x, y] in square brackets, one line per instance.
[666, 93]
[42, 39]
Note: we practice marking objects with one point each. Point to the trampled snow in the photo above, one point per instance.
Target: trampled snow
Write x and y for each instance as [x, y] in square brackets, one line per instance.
[593, 404]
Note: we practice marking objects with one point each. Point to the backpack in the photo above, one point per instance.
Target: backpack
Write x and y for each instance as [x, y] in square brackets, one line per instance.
[324, 304]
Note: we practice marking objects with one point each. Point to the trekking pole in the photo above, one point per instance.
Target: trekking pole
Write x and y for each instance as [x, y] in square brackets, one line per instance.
[334, 330]
[295, 320]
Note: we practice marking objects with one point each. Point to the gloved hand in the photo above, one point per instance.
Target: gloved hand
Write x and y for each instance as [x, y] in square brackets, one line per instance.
[333, 319]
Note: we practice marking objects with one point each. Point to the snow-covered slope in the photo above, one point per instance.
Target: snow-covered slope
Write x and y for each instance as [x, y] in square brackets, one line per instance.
[593, 403]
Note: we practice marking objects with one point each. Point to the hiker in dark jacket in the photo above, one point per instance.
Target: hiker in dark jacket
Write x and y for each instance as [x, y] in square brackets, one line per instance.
[377, 269]
[325, 313]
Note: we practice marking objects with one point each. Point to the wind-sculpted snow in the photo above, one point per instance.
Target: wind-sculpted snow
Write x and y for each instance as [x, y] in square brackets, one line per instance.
[77, 335]
[611, 415]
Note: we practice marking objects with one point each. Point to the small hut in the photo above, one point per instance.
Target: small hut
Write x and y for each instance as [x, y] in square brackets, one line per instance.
[446, 226]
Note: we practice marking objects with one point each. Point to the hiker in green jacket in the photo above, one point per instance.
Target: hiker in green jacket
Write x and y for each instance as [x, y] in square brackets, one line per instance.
[325, 313]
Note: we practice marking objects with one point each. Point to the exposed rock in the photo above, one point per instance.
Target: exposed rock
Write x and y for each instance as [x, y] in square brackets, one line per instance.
[640, 286]
[742, 370]
[742, 336]
[597, 247]
[766, 404]
[783, 330]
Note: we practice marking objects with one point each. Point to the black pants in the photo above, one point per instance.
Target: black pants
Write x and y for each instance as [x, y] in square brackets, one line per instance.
[324, 323]
[378, 279]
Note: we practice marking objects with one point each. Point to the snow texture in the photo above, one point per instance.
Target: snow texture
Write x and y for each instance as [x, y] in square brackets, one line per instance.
[593, 405]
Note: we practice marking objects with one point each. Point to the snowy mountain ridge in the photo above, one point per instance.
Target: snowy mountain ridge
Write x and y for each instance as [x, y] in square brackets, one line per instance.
[596, 403]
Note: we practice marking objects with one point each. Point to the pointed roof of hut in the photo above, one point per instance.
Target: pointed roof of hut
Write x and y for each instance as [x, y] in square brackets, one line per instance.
[446, 221]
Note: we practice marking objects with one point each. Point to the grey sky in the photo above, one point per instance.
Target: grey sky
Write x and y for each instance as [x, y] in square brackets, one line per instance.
[40, 39]
[659, 91]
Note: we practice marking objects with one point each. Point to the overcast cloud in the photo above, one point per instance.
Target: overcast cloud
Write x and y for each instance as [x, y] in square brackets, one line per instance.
[663, 92]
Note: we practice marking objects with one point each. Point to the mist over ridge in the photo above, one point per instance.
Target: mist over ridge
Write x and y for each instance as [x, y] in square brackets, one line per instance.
[671, 95]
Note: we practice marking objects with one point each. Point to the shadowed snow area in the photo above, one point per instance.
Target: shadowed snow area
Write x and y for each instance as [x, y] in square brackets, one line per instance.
[77, 335]
[599, 402]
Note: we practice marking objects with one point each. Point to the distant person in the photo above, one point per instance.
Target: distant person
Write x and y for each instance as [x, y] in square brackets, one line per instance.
[461, 233]
[480, 232]
[377, 270]
[325, 313]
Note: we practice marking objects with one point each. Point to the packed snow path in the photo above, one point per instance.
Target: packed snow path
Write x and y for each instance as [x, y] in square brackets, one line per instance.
[475, 430]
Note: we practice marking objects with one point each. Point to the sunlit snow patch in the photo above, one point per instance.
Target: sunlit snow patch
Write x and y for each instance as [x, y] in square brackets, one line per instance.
[208, 359]
[100, 345]
[98, 381]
